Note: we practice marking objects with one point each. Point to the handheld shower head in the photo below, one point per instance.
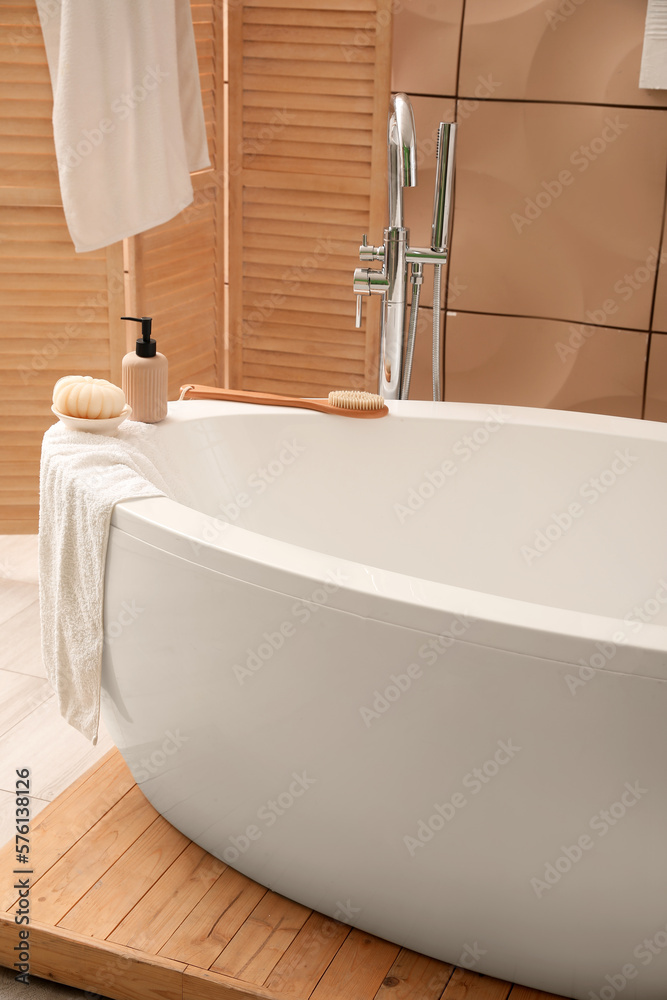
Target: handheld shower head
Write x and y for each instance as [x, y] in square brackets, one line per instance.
[443, 201]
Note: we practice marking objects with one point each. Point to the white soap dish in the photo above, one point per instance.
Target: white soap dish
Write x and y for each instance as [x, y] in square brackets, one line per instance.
[91, 425]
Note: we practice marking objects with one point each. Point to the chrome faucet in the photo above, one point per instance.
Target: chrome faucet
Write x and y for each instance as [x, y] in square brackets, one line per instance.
[392, 281]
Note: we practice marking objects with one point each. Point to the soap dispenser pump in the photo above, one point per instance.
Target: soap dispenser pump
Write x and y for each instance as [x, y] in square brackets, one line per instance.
[144, 376]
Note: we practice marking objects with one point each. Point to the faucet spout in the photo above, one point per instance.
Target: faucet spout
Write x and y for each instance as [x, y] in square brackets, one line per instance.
[401, 155]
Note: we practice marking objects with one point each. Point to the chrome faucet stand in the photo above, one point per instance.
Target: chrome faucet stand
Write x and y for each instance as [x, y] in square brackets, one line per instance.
[397, 256]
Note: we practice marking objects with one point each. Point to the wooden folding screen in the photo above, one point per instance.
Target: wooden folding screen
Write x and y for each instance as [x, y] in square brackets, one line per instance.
[309, 93]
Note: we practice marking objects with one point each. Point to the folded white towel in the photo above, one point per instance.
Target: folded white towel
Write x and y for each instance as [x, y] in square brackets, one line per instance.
[653, 74]
[82, 476]
[128, 120]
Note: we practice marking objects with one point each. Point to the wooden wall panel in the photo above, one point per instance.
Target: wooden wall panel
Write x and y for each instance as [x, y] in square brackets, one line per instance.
[309, 93]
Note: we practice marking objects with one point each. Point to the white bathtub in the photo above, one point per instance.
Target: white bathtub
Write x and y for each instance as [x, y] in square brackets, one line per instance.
[411, 672]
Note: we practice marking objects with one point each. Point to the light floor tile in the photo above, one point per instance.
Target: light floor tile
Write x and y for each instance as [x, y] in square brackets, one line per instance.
[55, 752]
[15, 596]
[18, 558]
[20, 644]
[20, 694]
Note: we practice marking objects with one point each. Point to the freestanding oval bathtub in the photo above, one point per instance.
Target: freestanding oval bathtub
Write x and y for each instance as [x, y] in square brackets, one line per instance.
[411, 672]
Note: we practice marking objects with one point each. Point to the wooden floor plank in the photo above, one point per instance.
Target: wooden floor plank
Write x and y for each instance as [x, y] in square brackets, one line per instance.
[55, 893]
[149, 925]
[70, 816]
[8, 815]
[202, 984]
[466, 985]
[415, 977]
[214, 921]
[105, 904]
[304, 963]
[65, 957]
[260, 942]
[358, 969]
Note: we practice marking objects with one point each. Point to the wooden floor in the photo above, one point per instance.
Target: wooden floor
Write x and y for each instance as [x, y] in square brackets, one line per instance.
[124, 905]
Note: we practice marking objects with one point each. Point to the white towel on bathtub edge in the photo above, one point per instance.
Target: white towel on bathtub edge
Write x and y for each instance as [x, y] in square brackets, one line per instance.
[82, 477]
[128, 119]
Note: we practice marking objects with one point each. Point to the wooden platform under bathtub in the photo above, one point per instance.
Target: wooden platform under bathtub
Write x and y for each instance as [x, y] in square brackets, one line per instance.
[125, 906]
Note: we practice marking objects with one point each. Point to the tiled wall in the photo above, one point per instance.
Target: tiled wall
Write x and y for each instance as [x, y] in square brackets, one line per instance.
[557, 285]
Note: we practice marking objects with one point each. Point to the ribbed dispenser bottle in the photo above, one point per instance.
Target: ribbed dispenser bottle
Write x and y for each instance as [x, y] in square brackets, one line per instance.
[144, 376]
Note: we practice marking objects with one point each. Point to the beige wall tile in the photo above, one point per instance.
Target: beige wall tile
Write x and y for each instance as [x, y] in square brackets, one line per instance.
[426, 46]
[660, 311]
[527, 362]
[656, 387]
[558, 208]
[579, 50]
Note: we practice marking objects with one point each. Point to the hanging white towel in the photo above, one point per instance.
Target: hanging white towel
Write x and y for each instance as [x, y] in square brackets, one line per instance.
[653, 74]
[82, 477]
[128, 119]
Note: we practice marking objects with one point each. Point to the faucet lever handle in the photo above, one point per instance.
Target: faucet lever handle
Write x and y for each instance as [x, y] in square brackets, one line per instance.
[357, 315]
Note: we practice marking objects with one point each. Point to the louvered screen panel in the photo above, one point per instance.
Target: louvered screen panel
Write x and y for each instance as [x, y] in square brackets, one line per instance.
[55, 305]
[309, 92]
[178, 268]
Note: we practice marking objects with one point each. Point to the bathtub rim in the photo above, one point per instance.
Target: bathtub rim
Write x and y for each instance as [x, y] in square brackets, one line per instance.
[182, 411]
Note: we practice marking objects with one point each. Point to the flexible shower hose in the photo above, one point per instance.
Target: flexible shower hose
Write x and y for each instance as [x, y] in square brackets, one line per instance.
[410, 349]
[437, 276]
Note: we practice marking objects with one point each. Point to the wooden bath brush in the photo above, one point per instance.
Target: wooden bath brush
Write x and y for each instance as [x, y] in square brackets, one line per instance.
[344, 402]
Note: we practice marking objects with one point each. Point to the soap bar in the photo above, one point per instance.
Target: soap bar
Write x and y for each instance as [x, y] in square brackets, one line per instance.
[85, 396]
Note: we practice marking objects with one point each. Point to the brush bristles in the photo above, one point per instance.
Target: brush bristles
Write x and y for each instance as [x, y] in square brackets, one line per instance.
[352, 399]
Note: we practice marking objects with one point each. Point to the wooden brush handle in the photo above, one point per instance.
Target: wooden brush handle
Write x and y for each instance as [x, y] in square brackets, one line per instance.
[271, 399]
[244, 396]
